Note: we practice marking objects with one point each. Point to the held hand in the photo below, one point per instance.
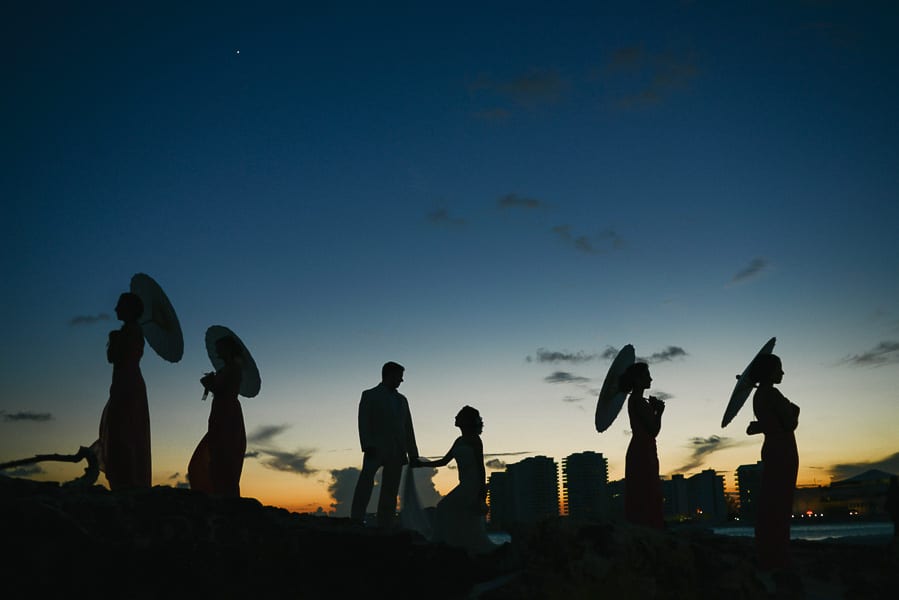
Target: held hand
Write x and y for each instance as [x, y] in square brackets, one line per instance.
[656, 404]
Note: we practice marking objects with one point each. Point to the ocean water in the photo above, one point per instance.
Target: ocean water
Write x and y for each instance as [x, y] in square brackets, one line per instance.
[797, 532]
[820, 531]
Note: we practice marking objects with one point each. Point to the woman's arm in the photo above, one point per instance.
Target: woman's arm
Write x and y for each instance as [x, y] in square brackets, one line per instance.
[650, 414]
[440, 462]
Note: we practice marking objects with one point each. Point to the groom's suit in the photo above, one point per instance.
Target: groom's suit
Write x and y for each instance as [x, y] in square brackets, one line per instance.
[388, 441]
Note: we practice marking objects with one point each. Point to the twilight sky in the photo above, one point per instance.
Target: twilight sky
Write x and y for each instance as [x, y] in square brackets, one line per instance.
[492, 194]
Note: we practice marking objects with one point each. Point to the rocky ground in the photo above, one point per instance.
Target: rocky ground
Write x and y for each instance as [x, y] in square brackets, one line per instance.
[173, 543]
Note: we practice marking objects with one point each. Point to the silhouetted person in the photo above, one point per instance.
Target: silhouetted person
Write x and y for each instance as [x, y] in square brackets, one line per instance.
[892, 503]
[388, 441]
[124, 443]
[459, 516]
[777, 418]
[642, 487]
[217, 462]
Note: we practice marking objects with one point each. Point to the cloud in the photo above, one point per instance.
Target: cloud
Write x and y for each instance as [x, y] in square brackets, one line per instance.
[441, 216]
[496, 115]
[88, 319]
[516, 201]
[703, 447]
[26, 416]
[24, 472]
[265, 433]
[668, 354]
[179, 481]
[529, 90]
[572, 399]
[341, 488]
[495, 464]
[642, 79]
[610, 353]
[755, 268]
[554, 356]
[883, 354]
[890, 464]
[565, 377]
[663, 396]
[606, 240]
[291, 462]
[428, 495]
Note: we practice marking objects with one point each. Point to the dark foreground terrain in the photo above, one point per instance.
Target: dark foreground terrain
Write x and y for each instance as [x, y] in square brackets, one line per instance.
[173, 543]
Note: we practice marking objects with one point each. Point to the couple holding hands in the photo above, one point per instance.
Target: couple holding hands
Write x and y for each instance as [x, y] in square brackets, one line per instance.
[388, 441]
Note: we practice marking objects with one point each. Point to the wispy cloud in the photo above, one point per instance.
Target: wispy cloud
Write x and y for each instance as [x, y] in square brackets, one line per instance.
[884, 353]
[755, 268]
[603, 242]
[703, 448]
[668, 354]
[24, 472]
[609, 353]
[291, 462]
[554, 356]
[26, 416]
[495, 464]
[890, 464]
[88, 319]
[663, 396]
[643, 79]
[265, 433]
[516, 201]
[529, 90]
[495, 115]
[572, 399]
[441, 216]
[564, 377]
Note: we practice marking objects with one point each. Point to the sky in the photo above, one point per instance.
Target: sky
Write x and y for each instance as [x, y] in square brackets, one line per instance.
[496, 195]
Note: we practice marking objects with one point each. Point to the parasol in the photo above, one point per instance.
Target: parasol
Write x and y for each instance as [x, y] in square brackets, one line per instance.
[610, 398]
[743, 387]
[159, 321]
[250, 382]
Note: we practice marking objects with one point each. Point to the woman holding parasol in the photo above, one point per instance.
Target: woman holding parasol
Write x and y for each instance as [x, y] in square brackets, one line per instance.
[777, 418]
[124, 444]
[217, 462]
[643, 501]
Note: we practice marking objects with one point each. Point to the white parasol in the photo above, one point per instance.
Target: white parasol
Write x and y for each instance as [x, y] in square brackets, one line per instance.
[743, 386]
[159, 321]
[250, 382]
[610, 398]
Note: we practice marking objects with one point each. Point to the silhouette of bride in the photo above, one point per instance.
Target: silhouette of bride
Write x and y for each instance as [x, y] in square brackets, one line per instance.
[124, 444]
[459, 518]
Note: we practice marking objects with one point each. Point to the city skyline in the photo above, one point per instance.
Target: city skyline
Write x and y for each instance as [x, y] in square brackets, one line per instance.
[496, 197]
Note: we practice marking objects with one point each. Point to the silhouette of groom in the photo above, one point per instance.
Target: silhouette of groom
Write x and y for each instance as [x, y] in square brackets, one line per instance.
[388, 441]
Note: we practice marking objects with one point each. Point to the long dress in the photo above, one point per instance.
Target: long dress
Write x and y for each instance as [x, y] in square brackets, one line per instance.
[780, 465]
[459, 519]
[643, 501]
[124, 442]
[217, 462]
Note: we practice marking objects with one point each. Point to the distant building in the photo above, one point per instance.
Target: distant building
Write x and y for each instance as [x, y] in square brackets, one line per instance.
[677, 502]
[499, 499]
[862, 496]
[749, 485]
[698, 497]
[585, 486]
[527, 492]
